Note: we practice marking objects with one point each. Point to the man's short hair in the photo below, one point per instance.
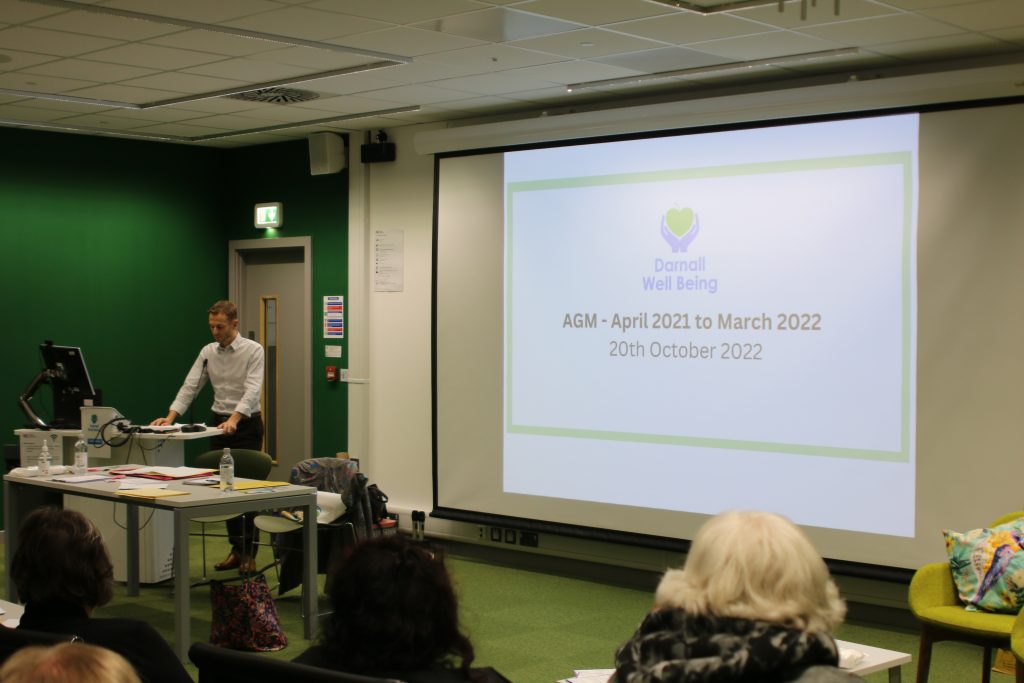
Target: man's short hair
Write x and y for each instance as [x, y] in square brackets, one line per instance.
[754, 565]
[67, 663]
[61, 556]
[226, 307]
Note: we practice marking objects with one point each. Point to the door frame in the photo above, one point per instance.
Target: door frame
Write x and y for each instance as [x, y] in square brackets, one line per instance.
[237, 250]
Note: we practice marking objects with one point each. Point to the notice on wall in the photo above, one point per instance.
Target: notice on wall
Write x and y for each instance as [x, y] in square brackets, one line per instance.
[334, 317]
[388, 260]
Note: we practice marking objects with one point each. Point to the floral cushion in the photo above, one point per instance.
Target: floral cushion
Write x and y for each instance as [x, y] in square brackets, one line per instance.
[988, 566]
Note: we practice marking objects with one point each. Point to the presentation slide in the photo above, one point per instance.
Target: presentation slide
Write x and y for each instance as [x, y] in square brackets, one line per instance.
[811, 317]
[713, 313]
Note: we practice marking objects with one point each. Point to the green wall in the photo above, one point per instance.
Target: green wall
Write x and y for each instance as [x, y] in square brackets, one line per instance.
[316, 206]
[120, 246]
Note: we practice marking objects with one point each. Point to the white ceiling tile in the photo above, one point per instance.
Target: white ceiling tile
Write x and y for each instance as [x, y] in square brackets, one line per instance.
[21, 60]
[498, 25]
[505, 82]
[105, 120]
[197, 10]
[877, 30]
[142, 117]
[766, 45]
[249, 70]
[407, 41]
[398, 11]
[662, 59]
[313, 59]
[575, 72]
[925, 4]
[189, 84]
[89, 70]
[981, 16]
[681, 29]
[68, 108]
[596, 12]
[350, 104]
[105, 25]
[153, 56]
[23, 12]
[588, 43]
[217, 105]
[353, 83]
[124, 93]
[31, 113]
[492, 57]
[40, 84]
[215, 43]
[823, 12]
[414, 94]
[421, 71]
[298, 22]
[58, 43]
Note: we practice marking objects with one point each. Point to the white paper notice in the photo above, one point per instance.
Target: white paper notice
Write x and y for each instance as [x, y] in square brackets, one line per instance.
[388, 260]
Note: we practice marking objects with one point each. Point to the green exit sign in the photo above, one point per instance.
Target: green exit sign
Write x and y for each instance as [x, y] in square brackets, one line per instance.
[269, 215]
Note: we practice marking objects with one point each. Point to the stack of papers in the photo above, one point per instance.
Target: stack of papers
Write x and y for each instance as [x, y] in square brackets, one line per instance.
[589, 676]
[169, 473]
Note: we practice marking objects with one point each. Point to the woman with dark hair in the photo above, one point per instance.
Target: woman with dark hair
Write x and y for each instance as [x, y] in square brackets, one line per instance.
[395, 616]
[63, 572]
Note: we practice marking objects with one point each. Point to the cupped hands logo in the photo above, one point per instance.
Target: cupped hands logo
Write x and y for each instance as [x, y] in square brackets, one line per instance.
[679, 227]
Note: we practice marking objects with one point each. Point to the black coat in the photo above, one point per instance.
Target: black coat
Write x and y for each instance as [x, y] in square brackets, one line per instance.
[136, 641]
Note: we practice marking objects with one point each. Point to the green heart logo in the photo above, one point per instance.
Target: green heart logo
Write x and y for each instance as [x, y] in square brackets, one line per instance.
[679, 221]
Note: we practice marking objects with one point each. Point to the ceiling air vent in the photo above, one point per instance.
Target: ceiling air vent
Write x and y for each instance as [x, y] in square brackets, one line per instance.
[276, 95]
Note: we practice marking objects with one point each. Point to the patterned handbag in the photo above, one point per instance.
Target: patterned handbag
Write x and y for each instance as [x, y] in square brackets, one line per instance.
[245, 616]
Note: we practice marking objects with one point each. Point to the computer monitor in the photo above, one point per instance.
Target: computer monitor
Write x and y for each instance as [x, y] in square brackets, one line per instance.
[65, 371]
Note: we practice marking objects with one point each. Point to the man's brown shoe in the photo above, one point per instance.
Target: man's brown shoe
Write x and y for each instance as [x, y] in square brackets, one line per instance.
[232, 561]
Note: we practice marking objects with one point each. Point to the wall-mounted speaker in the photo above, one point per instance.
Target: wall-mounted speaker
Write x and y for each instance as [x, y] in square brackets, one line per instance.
[326, 153]
[373, 152]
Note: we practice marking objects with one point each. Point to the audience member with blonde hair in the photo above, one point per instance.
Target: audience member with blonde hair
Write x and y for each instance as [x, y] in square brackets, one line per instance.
[754, 602]
[67, 663]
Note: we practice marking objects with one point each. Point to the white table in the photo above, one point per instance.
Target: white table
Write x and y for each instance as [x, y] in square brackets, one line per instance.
[201, 501]
[876, 659]
[158, 448]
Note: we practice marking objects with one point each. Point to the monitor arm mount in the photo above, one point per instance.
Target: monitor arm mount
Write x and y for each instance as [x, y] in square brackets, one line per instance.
[42, 378]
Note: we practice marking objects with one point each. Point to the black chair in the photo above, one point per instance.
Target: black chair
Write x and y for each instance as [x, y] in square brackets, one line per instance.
[13, 639]
[218, 665]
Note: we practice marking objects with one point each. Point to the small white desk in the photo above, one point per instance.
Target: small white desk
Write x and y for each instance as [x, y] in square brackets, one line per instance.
[877, 659]
[201, 501]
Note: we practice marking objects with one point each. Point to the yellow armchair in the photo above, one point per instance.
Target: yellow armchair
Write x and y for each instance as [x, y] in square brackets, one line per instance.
[935, 603]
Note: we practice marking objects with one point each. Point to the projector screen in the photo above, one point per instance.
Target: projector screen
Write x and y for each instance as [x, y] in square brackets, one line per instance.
[633, 335]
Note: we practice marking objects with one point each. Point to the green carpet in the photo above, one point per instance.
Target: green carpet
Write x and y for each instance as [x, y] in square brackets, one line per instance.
[534, 627]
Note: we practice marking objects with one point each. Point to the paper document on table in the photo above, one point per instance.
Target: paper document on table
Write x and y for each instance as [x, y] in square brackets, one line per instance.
[258, 484]
[589, 676]
[153, 492]
[129, 483]
[81, 478]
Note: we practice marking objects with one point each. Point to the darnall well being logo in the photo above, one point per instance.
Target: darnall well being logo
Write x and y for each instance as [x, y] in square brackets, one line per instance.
[679, 228]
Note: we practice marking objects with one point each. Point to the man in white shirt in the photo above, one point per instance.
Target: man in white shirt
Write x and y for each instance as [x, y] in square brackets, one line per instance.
[234, 366]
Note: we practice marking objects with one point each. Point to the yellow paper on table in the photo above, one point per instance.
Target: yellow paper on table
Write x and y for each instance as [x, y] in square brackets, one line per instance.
[258, 484]
[152, 493]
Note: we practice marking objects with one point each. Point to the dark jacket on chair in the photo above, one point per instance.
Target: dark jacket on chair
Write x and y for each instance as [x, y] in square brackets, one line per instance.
[136, 641]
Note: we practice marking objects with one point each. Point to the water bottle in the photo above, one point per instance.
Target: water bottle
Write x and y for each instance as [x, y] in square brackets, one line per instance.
[227, 471]
[44, 458]
[81, 465]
